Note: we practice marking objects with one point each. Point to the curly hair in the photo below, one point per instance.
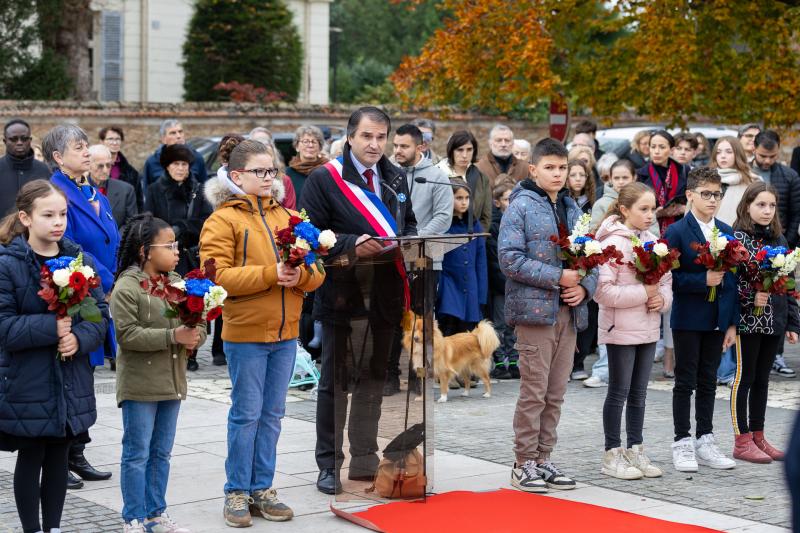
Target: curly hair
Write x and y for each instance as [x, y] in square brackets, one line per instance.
[138, 234]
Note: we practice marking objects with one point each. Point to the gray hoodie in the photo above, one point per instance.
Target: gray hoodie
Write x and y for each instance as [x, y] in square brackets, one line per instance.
[432, 204]
[601, 206]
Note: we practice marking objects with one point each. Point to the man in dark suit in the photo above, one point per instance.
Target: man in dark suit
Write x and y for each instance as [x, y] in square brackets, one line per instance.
[121, 195]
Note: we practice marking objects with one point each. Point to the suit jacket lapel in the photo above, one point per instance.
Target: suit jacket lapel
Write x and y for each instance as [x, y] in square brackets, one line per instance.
[698, 233]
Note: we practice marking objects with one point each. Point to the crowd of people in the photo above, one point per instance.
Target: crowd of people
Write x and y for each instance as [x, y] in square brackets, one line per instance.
[173, 216]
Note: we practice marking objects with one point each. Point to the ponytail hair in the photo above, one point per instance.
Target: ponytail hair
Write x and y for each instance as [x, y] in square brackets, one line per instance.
[138, 233]
[628, 196]
[10, 225]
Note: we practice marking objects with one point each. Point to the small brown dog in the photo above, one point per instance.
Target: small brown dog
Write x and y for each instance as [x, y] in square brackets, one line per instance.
[462, 354]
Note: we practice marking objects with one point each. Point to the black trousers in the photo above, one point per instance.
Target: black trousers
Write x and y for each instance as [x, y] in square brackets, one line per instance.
[628, 373]
[755, 354]
[48, 460]
[697, 356]
[587, 339]
[351, 366]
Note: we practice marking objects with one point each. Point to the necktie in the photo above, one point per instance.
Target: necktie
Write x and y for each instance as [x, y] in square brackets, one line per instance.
[368, 174]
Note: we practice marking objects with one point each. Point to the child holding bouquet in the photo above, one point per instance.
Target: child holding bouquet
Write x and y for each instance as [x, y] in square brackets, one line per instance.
[629, 325]
[151, 371]
[765, 314]
[702, 327]
[46, 401]
[260, 322]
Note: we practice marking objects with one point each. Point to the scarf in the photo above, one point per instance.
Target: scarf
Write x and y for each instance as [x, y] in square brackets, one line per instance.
[665, 191]
[306, 167]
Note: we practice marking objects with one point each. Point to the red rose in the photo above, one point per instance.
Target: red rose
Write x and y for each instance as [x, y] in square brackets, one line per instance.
[77, 281]
[293, 221]
[213, 314]
[194, 304]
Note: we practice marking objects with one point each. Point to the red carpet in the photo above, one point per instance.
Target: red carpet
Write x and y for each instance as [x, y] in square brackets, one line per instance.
[508, 511]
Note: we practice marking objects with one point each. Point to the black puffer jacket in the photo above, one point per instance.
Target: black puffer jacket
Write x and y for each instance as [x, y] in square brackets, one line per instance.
[40, 395]
[170, 201]
[787, 184]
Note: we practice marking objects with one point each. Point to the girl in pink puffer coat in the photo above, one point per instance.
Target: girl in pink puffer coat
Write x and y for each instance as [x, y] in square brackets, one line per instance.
[629, 325]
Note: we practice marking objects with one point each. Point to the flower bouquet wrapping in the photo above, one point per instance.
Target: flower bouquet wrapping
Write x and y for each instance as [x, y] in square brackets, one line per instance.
[66, 283]
[771, 272]
[302, 243]
[722, 253]
[653, 259]
[194, 299]
[580, 250]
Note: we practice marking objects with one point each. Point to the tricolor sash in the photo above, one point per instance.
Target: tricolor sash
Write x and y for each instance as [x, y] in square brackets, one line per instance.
[374, 211]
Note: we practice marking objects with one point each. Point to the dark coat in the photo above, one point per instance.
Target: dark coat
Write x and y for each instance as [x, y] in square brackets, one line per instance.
[643, 175]
[497, 280]
[40, 395]
[153, 170]
[170, 201]
[787, 184]
[122, 197]
[690, 308]
[328, 208]
[637, 159]
[16, 172]
[463, 285]
[131, 176]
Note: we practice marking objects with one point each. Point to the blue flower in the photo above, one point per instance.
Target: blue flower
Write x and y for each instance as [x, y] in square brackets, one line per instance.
[307, 232]
[648, 246]
[58, 263]
[198, 287]
[310, 259]
[582, 239]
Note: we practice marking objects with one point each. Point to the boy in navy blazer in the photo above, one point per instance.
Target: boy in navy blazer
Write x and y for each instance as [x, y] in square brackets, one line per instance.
[702, 330]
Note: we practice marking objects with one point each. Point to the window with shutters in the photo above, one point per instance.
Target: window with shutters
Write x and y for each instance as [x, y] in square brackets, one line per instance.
[112, 55]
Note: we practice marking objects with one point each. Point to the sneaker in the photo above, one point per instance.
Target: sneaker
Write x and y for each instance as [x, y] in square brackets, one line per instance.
[219, 359]
[708, 453]
[616, 464]
[134, 526]
[500, 372]
[236, 510]
[266, 505]
[554, 478]
[578, 375]
[683, 456]
[163, 524]
[594, 382]
[526, 478]
[639, 459]
[191, 364]
[514, 371]
[781, 368]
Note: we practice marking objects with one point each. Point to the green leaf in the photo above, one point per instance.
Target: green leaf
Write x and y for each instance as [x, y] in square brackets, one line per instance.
[170, 313]
[74, 310]
[767, 284]
[91, 314]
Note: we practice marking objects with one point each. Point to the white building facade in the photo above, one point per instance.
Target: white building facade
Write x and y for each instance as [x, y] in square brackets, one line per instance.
[137, 49]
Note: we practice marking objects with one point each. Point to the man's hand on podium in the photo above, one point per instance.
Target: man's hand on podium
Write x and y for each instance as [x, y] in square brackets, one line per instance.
[366, 247]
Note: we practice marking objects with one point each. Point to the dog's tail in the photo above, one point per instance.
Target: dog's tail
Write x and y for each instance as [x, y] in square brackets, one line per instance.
[487, 338]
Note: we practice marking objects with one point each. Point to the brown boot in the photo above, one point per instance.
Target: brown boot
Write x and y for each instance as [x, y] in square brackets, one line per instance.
[746, 450]
[766, 447]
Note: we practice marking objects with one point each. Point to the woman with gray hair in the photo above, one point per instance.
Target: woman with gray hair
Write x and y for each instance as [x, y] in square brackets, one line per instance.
[308, 142]
[91, 225]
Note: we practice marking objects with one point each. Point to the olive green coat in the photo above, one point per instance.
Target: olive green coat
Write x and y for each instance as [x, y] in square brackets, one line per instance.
[150, 368]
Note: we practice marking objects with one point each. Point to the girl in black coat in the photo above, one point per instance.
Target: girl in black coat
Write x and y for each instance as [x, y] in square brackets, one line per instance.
[45, 401]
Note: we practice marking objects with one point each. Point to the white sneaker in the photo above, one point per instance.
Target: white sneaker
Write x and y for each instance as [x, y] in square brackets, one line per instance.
[683, 458]
[134, 527]
[527, 478]
[639, 459]
[164, 524]
[594, 382]
[708, 454]
[616, 464]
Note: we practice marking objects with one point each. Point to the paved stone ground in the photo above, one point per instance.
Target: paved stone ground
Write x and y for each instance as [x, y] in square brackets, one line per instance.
[481, 428]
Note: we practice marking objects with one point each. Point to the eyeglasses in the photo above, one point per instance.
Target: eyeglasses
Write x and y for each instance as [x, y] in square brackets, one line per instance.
[707, 195]
[173, 246]
[19, 138]
[104, 165]
[261, 173]
[307, 142]
[113, 140]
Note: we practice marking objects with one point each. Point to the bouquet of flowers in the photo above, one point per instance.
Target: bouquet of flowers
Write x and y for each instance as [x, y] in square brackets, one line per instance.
[65, 283]
[579, 249]
[722, 253]
[771, 270]
[194, 299]
[302, 243]
[653, 259]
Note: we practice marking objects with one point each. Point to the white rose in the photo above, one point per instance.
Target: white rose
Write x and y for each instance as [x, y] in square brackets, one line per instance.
[215, 296]
[660, 249]
[327, 238]
[779, 260]
[180, 285]
[592, 248]
[721, 243]
[302, 244]
[61, 277]
[87, 271]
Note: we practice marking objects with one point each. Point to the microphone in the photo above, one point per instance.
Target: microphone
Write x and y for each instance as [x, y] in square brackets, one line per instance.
[396, 207]
[470, 229]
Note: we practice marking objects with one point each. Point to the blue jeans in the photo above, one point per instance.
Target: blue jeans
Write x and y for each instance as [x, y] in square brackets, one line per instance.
[600, 367]
[260, 375]
[149, 432]
[727, 366]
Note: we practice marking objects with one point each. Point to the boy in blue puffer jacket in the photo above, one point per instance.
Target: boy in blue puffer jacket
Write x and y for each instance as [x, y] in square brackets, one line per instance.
[547, 305]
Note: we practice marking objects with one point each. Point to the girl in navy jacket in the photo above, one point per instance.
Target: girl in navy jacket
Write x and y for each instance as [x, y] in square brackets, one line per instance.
[45, 401]
[463, 287]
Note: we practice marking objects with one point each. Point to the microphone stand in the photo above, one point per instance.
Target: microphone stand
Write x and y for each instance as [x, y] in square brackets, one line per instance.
[464, 185]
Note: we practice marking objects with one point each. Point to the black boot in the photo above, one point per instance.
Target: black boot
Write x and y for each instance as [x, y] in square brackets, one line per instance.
[73, 483]
[79, 465]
